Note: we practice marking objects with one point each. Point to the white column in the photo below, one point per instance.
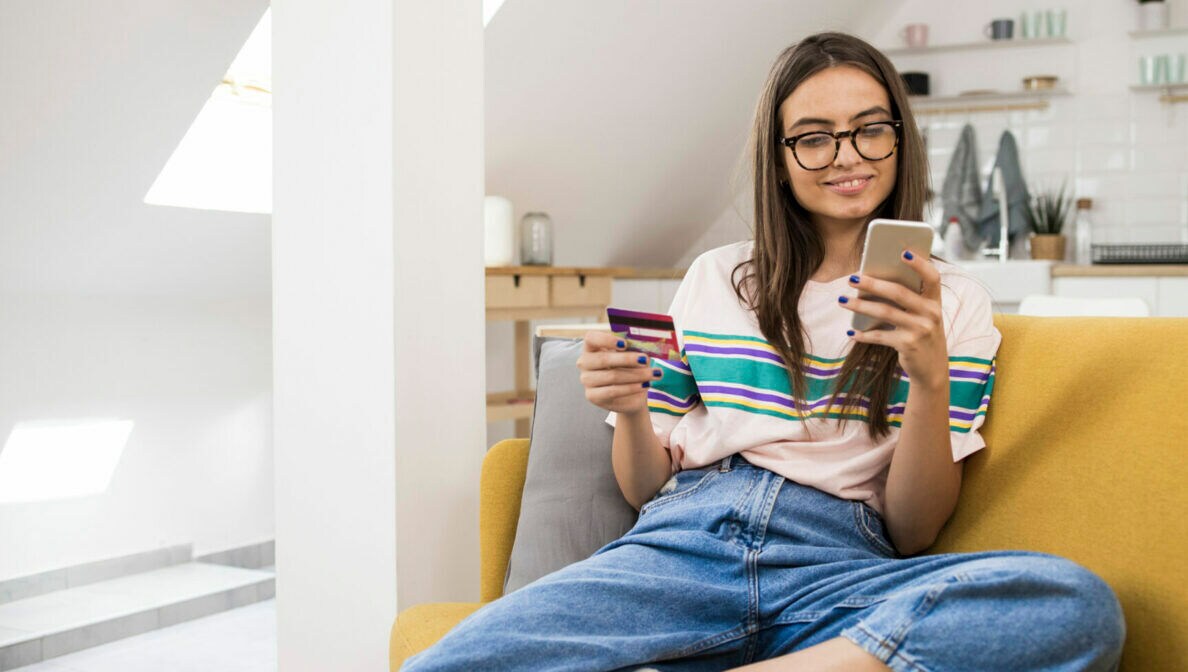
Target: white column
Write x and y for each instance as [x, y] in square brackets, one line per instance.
[378, 318]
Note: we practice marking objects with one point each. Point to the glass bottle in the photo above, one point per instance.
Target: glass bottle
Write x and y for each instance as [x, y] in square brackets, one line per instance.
[536, 239]
[1083, 232]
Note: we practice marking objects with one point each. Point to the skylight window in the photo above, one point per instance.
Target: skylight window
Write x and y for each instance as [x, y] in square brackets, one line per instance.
[489, 9]
[224, 162]
[60, 459]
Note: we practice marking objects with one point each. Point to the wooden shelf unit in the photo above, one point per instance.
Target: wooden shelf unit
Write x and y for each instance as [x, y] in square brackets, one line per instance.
[523, 293]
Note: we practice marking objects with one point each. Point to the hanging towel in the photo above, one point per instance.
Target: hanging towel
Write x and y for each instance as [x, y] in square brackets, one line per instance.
[961, 194]
[1019, 221]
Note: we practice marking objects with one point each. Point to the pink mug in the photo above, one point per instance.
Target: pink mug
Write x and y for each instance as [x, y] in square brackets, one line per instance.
[915, 34]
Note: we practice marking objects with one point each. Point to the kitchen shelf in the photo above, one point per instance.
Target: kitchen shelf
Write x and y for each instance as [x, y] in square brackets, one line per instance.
[988, 102]
[1169, 93]
[978, 46]
[1165, 32]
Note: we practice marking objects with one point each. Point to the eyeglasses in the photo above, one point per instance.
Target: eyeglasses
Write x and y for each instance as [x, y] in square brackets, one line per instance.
[816, 150]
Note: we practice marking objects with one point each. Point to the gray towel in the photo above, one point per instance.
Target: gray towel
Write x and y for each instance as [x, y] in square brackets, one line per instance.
[961, 194]
[1019, 221]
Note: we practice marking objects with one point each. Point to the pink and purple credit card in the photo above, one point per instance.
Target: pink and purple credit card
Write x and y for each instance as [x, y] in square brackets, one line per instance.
[650, 333]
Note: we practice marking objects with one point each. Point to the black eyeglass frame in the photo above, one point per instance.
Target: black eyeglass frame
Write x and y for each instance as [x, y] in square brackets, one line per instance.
[852, 134]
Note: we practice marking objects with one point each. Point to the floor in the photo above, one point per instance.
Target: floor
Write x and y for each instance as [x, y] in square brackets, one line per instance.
[239, 640]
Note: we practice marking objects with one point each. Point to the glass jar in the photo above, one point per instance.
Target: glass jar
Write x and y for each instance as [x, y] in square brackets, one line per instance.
[536, 239]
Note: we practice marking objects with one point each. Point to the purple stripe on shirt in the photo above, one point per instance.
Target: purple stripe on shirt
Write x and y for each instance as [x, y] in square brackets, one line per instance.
[972, 375]
[717, 350]
[657, 395]
[678, 365]
[776, 399]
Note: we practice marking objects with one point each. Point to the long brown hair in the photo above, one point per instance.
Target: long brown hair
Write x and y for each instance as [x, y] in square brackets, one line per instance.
[788, 248]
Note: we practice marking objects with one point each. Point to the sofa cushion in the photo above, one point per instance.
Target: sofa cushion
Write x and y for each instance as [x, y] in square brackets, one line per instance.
[571, 505]
[1086, 459]
[420, 626]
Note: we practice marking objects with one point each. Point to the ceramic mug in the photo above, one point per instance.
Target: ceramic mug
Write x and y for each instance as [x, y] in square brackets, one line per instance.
[915, 35]
[1000, 29]
[1162, 70]
[916, 83]
[1031, 24]
[1057, 19]
[1146, 70]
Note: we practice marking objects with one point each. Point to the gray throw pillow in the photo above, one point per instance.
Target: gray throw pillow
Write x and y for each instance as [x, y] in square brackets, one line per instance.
[572, 505]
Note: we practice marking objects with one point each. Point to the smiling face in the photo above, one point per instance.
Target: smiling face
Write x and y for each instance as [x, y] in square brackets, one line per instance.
[847, 192]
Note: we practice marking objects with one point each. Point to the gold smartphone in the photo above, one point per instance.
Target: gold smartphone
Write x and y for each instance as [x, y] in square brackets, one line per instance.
[886, 239]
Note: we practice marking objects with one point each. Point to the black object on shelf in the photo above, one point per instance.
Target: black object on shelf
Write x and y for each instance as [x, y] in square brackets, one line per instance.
[916, 83]
[1161, 253]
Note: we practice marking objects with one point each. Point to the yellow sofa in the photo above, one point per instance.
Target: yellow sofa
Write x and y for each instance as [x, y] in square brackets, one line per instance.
[1087, 457]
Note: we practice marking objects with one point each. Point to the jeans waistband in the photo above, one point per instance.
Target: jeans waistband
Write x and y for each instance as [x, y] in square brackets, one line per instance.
[735, 461]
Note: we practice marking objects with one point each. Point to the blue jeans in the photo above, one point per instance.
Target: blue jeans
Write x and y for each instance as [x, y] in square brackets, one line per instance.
[731, 564]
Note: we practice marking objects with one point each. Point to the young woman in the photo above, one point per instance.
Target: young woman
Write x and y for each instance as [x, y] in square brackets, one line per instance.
[778, 503]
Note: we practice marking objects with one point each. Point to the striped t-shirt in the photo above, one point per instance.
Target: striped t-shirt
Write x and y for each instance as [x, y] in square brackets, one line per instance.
[730, 392]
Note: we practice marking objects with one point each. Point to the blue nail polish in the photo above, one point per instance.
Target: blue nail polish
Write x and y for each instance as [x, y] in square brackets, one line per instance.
[621, 344]
[849, 332]
[647, 384]
[842, 299]
[907, 254]
[643, 359]
[656, 373]
[854, 279]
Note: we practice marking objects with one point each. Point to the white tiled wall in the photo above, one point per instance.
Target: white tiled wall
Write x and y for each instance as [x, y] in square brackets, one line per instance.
[1124, 149]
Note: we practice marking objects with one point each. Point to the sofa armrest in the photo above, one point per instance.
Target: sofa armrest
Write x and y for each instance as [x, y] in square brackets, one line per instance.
[502, 486]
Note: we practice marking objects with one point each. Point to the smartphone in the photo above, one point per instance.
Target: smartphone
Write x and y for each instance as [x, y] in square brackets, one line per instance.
[886, 239]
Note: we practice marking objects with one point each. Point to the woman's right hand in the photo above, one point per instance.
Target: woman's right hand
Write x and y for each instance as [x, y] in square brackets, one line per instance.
[615, 379]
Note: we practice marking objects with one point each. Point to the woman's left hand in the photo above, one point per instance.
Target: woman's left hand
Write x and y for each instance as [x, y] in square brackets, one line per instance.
[919, 332]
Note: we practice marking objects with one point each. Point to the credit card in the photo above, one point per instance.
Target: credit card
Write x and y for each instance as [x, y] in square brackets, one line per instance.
[650, 333]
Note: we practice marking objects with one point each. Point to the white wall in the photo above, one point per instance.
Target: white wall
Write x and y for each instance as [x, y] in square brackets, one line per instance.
[96, 97]
[624, 120]
[1124, 149]
[193, 376]
[110, 307]
[378, 296]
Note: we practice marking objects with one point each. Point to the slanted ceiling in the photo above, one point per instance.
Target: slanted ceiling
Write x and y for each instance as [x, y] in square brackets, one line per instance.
[625, 120]
[96, 95]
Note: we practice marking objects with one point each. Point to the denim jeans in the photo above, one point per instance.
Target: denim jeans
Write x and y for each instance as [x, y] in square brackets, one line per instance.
[731, 564]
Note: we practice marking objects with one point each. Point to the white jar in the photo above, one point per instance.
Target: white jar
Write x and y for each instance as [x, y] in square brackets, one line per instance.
[1152, 15]
[499, 232]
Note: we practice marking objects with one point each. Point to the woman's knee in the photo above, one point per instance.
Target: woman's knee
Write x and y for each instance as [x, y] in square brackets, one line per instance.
[1083, 604]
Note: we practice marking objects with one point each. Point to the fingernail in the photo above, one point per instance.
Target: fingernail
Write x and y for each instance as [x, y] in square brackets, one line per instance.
[647, 384]
[643, 359]
[621, 344]
[907, 254]
[849, 332]
[854, 279]
[656, 373]
[842, 299]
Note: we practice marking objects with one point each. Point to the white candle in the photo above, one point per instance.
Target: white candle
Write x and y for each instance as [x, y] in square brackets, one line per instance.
[499, 231]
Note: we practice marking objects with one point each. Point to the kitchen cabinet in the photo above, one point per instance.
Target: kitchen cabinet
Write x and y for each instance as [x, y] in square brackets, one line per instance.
[1163, 288]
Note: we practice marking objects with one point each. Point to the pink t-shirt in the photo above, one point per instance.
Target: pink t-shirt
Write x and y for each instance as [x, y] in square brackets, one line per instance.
[730, 392]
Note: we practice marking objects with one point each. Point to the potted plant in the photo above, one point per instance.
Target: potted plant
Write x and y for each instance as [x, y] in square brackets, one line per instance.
[1048, 212]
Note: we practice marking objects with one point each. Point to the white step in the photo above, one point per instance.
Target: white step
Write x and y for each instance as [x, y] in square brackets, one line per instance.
[50, 625]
